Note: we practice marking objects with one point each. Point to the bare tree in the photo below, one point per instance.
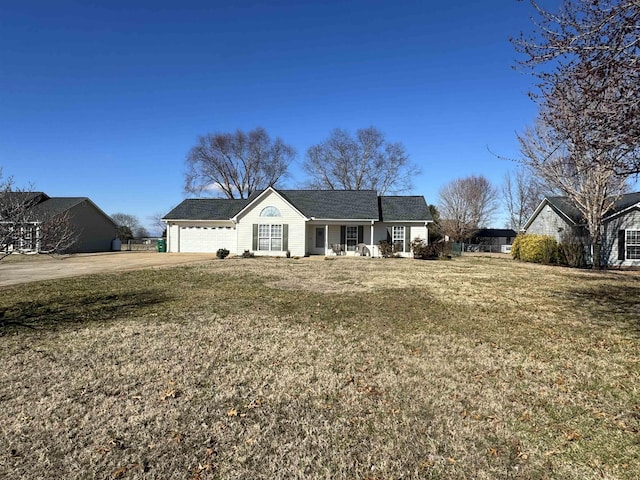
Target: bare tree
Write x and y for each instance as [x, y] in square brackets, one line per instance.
[27, 225]
[588, 54]
[586, 176]
[364, 162]
[521, 194]
[156, 221]
[466, 204]
[236, 164]
[129, 226]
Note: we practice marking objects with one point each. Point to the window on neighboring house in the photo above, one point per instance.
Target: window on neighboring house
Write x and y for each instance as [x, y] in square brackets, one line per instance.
[270, 237]
[397, 237]
[632, 242]
[29, 236]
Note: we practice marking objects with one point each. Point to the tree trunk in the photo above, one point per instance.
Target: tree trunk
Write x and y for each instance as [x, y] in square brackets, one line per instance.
[597, 253]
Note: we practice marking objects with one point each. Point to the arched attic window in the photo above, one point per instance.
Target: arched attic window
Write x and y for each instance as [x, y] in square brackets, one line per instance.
[270, 212]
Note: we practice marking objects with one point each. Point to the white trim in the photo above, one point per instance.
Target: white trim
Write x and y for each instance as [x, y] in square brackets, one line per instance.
[258, 198]
[622, 212]
[636, 231]
[323, 220]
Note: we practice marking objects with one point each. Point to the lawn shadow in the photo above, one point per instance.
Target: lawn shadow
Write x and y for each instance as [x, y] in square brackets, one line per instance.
[77, 309]
[610, 305]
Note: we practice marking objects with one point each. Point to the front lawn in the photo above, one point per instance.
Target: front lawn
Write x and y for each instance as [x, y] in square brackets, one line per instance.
[345, 368]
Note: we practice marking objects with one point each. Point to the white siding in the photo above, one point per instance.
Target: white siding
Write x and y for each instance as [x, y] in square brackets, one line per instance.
[201, 237]
[173, 238]
[289, 216]
[419, 231]
[415, 231]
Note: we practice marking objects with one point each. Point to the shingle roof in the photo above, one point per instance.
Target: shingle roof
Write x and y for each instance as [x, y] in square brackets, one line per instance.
[319, 204]
[24, 197]
[404, 208]
[625, 202]
[206, 209]
[495, 232]
[56, 205]
[334, 204]
[564, 205]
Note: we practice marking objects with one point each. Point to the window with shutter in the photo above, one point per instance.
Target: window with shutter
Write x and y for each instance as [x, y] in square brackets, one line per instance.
[397, 237]
[270, 237]
[632, 244]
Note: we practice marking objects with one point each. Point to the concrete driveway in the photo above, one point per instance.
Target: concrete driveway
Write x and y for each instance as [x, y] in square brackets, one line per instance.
[25, 269]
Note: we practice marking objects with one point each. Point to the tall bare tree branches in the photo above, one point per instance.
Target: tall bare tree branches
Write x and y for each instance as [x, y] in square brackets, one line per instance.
[584, 175]
[521, 194]
[587, 139]
[364, 162]
[587, 56]
[465, 205]
[236, 164]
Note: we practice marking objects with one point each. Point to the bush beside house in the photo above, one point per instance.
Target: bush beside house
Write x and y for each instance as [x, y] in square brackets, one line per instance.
[545, 249]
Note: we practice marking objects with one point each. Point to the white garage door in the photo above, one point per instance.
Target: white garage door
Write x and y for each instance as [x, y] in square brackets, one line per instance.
[207, 239]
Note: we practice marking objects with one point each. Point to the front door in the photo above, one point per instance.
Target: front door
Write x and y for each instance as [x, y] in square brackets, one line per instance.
[320, 237]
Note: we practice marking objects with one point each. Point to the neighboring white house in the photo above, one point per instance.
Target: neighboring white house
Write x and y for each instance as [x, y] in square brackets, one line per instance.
[301, 222]
[558, 217]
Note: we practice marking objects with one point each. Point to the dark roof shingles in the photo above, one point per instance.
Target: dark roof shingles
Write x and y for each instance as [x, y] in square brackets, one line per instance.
[334, 204]
[319, 204]
[404, 208]
[206, 209]
[564, 205]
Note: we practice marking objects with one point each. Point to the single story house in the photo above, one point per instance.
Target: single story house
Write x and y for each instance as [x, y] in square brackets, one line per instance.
[558, 217]
[301, 222]
[92, 229]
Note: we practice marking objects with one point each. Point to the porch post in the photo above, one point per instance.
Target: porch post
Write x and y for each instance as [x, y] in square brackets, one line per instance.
[326, 239]
[371, 239]
[38, 237]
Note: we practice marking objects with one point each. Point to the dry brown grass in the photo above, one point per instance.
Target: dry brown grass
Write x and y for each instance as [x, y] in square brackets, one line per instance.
[349, 368]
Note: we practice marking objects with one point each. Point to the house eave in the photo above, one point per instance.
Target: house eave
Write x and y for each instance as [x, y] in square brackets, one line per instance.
[608, 218]
[537, 211]
[167, 220]
[314, 219]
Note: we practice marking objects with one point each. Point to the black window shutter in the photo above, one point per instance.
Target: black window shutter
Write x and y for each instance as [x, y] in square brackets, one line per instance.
[407, 238]
[621, 245]
[285, 237]
[255, 236]
[343, 235]
[389, 234]
[360, 234]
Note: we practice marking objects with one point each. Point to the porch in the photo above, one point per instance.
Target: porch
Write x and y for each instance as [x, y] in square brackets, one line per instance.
[351, 239]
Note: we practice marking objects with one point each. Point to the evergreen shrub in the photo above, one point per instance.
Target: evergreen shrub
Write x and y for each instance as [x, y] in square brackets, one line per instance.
[535, 248]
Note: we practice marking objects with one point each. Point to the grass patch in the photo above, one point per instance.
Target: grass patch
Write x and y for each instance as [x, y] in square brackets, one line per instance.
[355, 368]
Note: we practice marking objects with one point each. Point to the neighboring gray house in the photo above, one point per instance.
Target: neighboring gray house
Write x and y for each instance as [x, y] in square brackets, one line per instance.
[93, 229]
[558, 217]
[302, 222]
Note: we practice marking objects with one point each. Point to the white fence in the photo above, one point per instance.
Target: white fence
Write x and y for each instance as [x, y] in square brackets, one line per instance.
[478, 248]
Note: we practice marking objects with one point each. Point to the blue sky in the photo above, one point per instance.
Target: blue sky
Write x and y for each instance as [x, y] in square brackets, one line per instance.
[105, 98]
